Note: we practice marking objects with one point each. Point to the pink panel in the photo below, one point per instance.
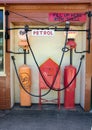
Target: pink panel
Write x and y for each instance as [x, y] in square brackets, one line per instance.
[76, 17]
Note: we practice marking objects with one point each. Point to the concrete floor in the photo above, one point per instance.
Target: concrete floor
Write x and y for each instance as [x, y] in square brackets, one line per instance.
[49, 118]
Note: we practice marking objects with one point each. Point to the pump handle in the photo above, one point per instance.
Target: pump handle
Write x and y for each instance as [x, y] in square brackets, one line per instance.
[13, 58]
[82, 57]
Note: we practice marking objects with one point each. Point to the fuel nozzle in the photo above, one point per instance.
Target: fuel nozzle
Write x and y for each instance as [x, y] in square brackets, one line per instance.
[82, 57]
[13, 58]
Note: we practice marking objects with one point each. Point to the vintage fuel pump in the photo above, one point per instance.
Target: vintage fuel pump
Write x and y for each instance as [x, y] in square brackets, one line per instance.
[24, 72]
[69, 72]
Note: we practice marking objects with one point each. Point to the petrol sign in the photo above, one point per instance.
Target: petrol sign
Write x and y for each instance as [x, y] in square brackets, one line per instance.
[43, 32]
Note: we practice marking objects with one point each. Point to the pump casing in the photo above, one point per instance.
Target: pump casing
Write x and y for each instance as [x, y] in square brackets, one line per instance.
[25, 77]
[69, 96]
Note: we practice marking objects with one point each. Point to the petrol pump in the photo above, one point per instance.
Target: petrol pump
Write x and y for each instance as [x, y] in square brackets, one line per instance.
[69, 73]
[24, 72]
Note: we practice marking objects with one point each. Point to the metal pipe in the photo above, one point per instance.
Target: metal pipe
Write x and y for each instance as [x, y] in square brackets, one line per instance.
[71, 56]
[24, 56]
[89, 31]
[6, 30]
[55, 29]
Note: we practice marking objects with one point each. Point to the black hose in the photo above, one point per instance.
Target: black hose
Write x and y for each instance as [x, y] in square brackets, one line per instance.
[53, 82]
[65, 87]
[13, 59]
[51, 87]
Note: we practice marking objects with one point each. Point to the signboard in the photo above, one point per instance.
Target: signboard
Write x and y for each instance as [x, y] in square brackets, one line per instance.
[73, 17]
[42, 32]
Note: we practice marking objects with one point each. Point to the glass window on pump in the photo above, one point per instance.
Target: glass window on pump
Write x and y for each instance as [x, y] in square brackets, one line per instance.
[1, 41]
